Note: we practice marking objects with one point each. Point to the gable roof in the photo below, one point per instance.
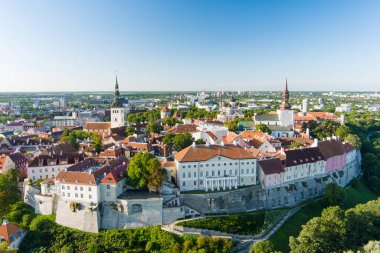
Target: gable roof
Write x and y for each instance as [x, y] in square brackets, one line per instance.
[8, 229]
[332, 148]
[271, 166]
[204, 153]
[266, 117]
[180, 129]
[301, 156]
[98, 125]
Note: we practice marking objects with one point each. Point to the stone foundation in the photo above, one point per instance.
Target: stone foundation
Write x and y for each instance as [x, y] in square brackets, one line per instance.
[254, 198]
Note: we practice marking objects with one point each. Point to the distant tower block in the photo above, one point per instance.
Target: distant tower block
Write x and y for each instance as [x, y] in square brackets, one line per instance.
[305, 105]
[342, 119]
[117, 109]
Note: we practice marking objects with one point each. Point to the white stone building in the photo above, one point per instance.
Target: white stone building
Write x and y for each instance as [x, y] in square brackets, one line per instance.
[214, 167]
[303, 163]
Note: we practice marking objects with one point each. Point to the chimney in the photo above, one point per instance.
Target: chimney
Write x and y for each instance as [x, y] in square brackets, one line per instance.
[194, 144]
[207, 144]
[308, 131]
[315, 143]
[282, 151]
[222, 143]
[234, 142]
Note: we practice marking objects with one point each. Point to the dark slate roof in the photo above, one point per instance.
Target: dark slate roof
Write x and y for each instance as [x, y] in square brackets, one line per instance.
[63, 152]
[271, 166]
[331, 148]
[266, 117]
[302, 156]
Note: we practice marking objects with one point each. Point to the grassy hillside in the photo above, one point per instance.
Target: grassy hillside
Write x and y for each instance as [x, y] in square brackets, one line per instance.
[356, 193]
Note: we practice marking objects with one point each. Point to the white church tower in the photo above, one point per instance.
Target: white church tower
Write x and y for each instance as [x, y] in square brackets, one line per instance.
[117, 109]
[285, 114]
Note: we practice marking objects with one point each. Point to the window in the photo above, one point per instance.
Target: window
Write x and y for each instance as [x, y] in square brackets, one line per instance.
[218, 172]
[68, 187]
[230, 172]
[76, 188]
[53, 169]
[206, 173]
[212, 173]
[225, 164]
[206, 165]
[40, 170]
[63, 187]
[45, 169]
[81, 188]
[46, 176]
[189, 166]
[189, 174]
[108, 186]
[236, 163]
[230, 164]
[201, 165]
[195, 166]
[81, 195]
[247, 171]
[183, 184]
[212, 165]
[68, 194]
[195, 174]
[32, 171]
[242, 163]
[195, 182]
[89, 189]
[201, 173]
[108, 194]
[63, 194]
[183, 166]
[90, 196]
[200, 181]
[76, 195]
[184, 175]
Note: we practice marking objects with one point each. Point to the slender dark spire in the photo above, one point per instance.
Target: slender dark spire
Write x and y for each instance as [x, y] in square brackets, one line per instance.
[116, 101]
[285, 105]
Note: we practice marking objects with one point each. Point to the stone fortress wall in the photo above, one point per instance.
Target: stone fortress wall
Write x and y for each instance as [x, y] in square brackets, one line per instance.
[135, 212]
[255, 197]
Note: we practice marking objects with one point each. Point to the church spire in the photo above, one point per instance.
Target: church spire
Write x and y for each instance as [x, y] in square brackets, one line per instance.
[116, 102]
[285, 97]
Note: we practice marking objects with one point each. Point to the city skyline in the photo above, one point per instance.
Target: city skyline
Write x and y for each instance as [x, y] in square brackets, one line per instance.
[189, 45]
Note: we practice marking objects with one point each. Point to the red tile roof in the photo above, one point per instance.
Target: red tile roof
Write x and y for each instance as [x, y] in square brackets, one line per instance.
[8, 229]
[203, 153]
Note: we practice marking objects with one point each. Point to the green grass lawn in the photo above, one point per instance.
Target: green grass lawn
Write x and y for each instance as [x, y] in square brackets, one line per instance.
[359, 193]
[242, 223]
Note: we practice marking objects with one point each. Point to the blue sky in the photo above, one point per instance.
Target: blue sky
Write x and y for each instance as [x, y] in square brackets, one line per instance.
[49, 45]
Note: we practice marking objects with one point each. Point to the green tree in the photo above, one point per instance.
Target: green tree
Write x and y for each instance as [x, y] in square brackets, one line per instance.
[18, 211]
[322, 234]
[354, 140]
[295, 145]
[154, 128]
[200, 141]
[342, 132]
[334, 193]
[262, 247]
[144, 171]
[129, 131]
[263, 128]
[9, 193]
[168, 138]
[182, 141]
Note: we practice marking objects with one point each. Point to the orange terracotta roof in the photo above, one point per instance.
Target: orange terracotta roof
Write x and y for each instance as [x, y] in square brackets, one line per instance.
[250, 134]
[164, 109]
[8, 229]
[180, 129]
[98, 125]
[140, 145]
[231, 136]
[168, 164]
[203, 153]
